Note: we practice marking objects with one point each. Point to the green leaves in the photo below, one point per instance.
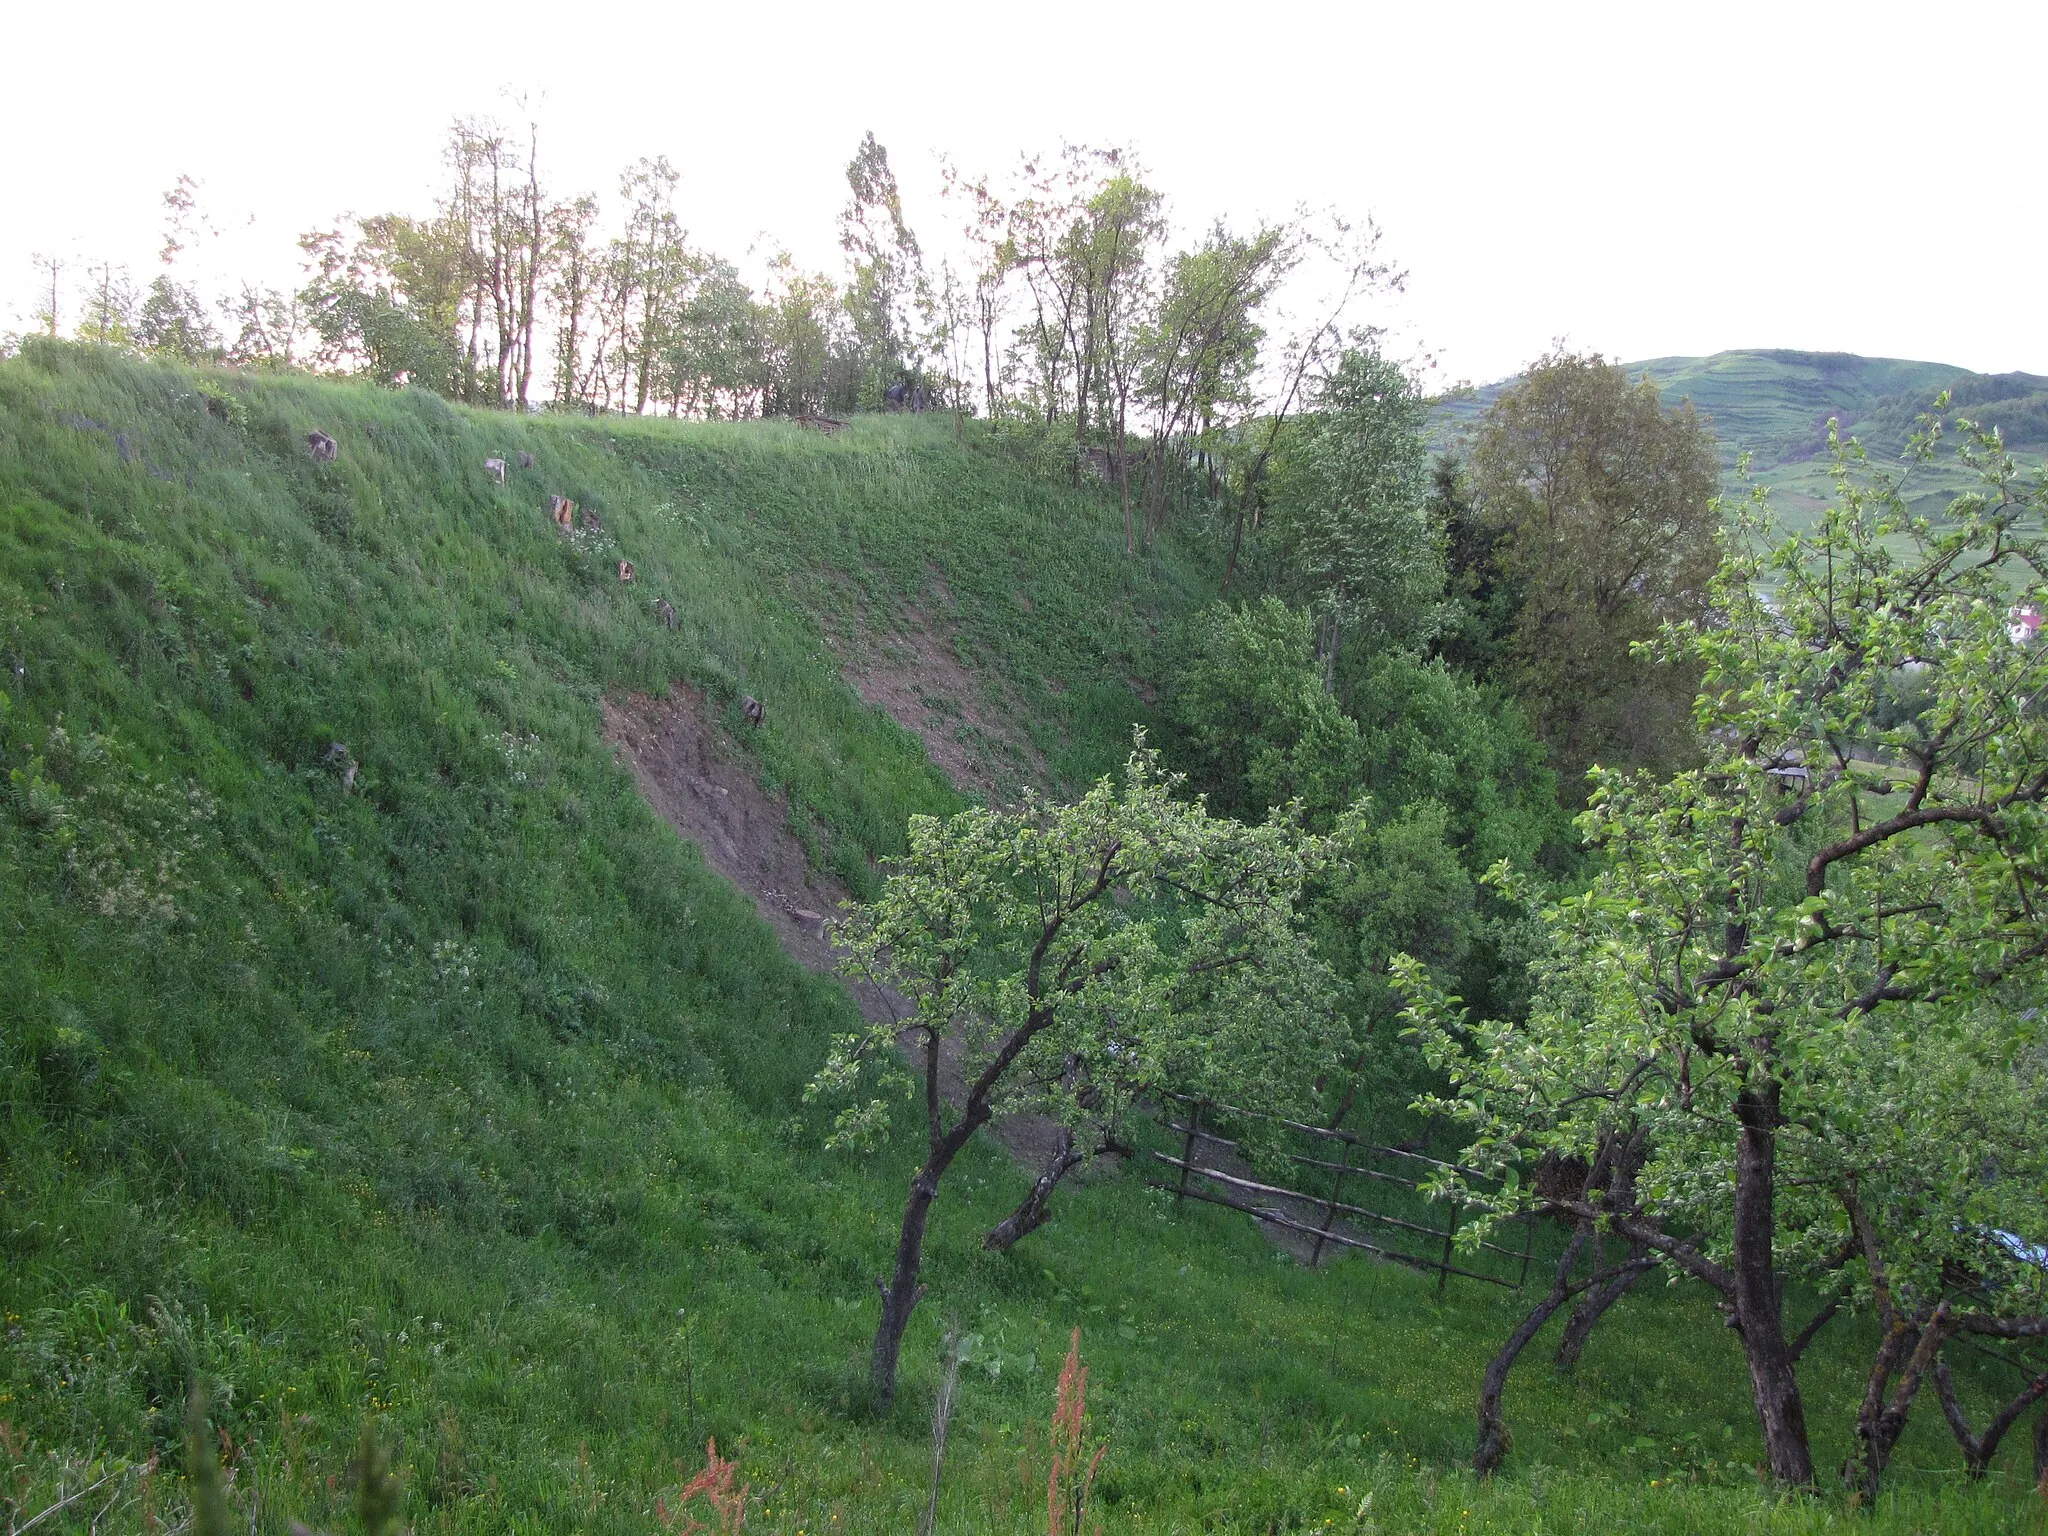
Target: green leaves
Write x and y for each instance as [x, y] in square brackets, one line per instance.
[1072, 957]
[1844, 903]
[1351, 504]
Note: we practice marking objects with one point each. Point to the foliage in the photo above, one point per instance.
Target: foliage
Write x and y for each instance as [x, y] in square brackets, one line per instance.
[1251, 721]
[1601, 499]
[1429, 733]
[1349, 507]
[1450, 783]
[1202, 347]
[1079, 955]
[1796, 992]
[887, 284]
[1481, 600]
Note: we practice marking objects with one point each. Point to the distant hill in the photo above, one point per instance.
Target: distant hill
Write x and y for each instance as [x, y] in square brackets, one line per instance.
[1775, 405]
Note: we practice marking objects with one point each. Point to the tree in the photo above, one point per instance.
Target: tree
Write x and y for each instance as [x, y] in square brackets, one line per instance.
[713, 364]
[109, 319]
[887, 282]
[1789, 1030]
[387, 303]
[1252, 723]
[1350, 508]
[183, 221]
[1352, 268]
[1113, 245]
[173, 322]
[1064, 958]
[950, 340]
[994, 257]
[50, 271]
[1601, 499]
[1481, 603]
[802, 342]
[646, 279]
[1037, 220]
[496, 203]
[572, 284]
[267, 327]
[1202, 346]
[1426, 780]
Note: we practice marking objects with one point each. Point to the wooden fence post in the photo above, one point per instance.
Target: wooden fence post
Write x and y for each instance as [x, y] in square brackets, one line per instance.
[1443, 1273]
[1330, 1212]
[1187, 1155]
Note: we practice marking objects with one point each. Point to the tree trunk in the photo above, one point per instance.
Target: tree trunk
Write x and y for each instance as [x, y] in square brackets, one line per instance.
[2041, 1454]
[1600, 1297]
[1034, 1210]
[1979, 1449]
[1592, 1307]
[1773, 1381]
[530, 289]
[902, 1292]
[1236, 544]
[1879, 1423]
[1493, 1430]
[1123, 482]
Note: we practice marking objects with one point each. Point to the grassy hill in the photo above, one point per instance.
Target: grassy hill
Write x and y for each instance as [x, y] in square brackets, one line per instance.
[370, 1049]
[1775, 406]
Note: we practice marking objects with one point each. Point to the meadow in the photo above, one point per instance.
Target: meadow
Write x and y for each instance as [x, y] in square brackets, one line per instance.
[436, 1082]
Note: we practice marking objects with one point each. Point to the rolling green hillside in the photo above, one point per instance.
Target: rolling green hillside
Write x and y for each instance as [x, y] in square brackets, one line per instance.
[1775, 406]
[370, 1049]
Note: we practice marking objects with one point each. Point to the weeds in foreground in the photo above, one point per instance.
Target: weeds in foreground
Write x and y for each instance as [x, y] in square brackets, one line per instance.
[715, 1486]
[942, 1419]
[1068, 1486]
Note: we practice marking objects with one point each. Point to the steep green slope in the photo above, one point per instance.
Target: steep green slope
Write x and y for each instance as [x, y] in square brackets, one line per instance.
[1775, 406]
[456, 1093]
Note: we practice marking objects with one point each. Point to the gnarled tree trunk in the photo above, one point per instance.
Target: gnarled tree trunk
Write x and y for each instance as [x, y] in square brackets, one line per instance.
[1979, 1449]
[1759, 1318]
[1034, 1209]
[1879, 1423]
[1594, 1305]
[1493, 1430]
[1599, 1298]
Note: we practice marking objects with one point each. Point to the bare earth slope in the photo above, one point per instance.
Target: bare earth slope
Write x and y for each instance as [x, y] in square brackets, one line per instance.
[698, 783]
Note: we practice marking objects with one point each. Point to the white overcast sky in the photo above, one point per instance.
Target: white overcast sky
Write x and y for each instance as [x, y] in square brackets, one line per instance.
[1643, 179]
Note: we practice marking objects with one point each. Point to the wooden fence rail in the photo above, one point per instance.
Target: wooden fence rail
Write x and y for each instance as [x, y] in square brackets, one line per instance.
[1232, 1189]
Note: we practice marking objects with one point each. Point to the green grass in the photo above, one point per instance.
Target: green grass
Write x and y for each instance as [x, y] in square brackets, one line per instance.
[469, 1101]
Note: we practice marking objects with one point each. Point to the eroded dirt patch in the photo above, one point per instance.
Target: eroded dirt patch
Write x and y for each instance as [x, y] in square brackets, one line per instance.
[703, 788]
[968, 724]
[699, 783]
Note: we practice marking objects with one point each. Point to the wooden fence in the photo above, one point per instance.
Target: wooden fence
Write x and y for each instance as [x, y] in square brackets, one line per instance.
[1325, 1215]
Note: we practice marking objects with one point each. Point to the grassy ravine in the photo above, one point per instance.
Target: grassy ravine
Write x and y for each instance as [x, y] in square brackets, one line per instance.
[469, 1101]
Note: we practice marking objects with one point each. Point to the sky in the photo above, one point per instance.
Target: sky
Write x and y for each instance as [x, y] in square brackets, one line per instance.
[1642, 180]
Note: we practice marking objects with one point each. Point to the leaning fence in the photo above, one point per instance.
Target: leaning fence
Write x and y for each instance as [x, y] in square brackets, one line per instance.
[1219, 1170]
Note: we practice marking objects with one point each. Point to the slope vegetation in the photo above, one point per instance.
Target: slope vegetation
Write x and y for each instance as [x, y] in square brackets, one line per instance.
[372, 1049]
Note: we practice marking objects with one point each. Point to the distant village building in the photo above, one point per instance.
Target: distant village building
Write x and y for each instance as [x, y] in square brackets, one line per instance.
[2023, 623]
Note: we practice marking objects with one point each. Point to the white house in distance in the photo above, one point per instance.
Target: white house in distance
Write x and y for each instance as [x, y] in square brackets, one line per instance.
[2023, 623]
